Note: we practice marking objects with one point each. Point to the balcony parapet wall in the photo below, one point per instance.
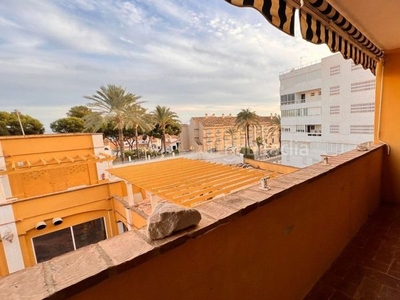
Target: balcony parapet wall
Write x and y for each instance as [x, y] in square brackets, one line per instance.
[254, 243]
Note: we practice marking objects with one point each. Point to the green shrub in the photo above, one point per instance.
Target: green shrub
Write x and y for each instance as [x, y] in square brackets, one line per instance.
[247, 152]
[129, 153]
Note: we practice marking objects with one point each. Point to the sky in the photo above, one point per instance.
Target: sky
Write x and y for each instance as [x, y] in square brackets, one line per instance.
[193, 56]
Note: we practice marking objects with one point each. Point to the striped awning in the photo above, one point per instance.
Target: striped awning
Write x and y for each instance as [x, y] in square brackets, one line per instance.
[278, 12]
[320, 23]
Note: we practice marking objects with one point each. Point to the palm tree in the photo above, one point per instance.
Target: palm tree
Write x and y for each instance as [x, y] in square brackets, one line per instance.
[245, 119]
[259, 141]
[109, 104]
[163, 116]
[137, 117]
[231, 131]
[275, 126]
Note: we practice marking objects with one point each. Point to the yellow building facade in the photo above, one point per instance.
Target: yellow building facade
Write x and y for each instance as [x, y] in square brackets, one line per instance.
[54, 197]
[212, 133]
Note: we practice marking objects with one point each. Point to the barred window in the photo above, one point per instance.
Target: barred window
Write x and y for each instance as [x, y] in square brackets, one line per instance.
[362, 129]
[335, 70]
[334, 128]
[334, 110]
[334, 90]
[363, 86]
[362, 107]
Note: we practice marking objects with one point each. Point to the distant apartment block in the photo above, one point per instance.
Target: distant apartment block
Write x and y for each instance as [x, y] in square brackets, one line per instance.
[327, 108]
[214, 133]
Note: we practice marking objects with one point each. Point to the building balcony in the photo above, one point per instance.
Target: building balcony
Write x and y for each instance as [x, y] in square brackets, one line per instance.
[287, 237]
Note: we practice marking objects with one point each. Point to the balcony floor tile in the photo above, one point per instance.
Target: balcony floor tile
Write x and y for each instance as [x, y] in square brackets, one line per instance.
[369, 266]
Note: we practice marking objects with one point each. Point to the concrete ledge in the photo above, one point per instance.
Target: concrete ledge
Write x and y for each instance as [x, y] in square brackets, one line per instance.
[72, 273]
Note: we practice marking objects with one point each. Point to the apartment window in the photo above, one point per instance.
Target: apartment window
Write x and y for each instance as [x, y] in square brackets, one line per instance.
[362, 107]
[303, 98]
[361, 129]
[68, 239]
[334, 110]
[363, 86]
[335, 70]
[287, 99]
[301, 112]
[312, 94]
[334, 90]
[319, 93]
[286, 129]
[313, 130]
[334, 128]
[300, 128]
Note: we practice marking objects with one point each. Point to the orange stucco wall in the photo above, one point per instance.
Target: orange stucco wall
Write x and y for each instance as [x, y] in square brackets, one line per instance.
[74, 207]
[55, 176]
[387, 124]
[3, 262]
[277, 251]
[43, 151]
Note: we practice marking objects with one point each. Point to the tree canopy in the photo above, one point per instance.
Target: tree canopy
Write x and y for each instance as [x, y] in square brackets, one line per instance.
[9, 124]
[244, 119]
[232, 131]
[68, 125]
[275, 127]
[137, 119]
[79, 111]
[74, 122]
[109, 104]
[163, 116]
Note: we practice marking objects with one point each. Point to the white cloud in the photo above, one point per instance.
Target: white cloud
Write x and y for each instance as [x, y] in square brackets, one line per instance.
[4, 22]
[192, 56]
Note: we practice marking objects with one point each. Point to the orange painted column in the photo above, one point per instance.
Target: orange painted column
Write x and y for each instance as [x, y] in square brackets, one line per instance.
[387, 122]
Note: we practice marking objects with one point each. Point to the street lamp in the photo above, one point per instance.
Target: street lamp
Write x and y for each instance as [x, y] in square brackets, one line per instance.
[20, 123]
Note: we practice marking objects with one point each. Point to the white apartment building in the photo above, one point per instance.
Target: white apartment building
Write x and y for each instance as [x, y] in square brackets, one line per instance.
[327, 108]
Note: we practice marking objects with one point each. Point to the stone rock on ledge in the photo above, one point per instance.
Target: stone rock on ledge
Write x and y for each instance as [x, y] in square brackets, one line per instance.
[168, 218]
